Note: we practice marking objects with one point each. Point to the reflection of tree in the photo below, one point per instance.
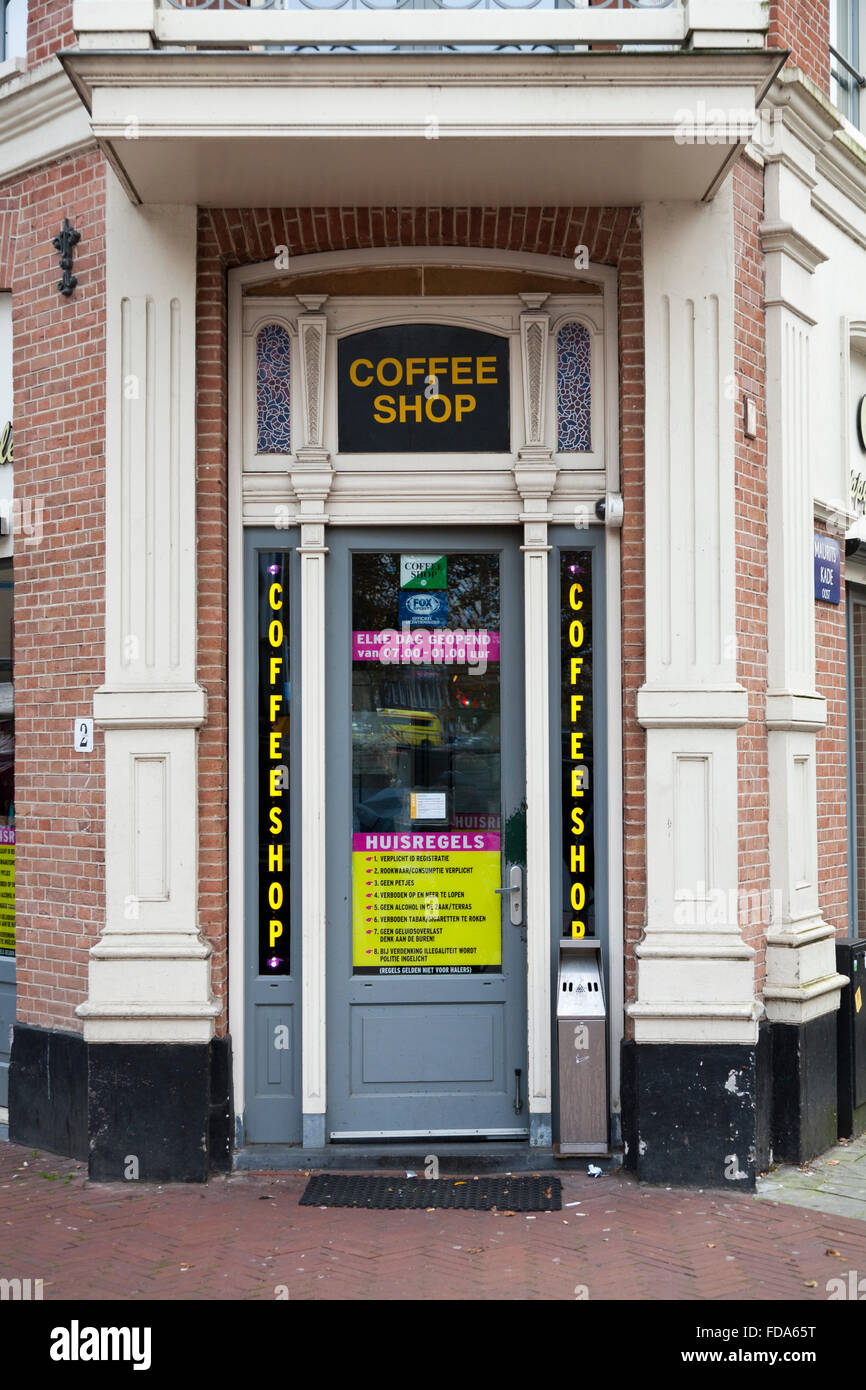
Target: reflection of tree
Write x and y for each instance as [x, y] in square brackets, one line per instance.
[7, 767]
[457, 749]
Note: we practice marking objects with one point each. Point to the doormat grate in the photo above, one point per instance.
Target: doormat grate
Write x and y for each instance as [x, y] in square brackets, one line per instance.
[418, 1194]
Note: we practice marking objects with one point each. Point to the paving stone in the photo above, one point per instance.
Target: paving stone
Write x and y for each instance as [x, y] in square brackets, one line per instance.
[624, 1241]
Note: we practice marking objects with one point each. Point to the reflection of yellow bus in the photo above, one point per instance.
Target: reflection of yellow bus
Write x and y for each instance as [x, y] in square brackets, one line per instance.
[412, 726]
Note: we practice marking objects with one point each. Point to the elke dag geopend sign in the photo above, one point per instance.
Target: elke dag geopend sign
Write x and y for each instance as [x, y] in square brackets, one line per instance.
[423, 388]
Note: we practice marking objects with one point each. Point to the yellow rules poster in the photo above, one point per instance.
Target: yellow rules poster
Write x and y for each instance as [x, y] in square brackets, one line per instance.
[425, 903]
[7, 888]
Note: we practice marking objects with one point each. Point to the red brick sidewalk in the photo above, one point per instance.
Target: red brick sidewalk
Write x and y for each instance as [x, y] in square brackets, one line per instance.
[243, 1236]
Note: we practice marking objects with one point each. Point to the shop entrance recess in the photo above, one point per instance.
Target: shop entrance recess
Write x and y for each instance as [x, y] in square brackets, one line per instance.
[426, 835]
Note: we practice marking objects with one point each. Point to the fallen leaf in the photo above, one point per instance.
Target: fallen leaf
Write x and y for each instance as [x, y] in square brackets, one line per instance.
[832, 1163]
[810, 1283]
[475, 1250]
[837, 1253]
[710, 1244]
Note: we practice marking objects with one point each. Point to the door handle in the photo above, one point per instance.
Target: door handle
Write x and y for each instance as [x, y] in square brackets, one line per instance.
[515, 895]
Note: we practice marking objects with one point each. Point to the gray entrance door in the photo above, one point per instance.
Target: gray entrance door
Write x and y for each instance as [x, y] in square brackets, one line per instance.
[426, 971]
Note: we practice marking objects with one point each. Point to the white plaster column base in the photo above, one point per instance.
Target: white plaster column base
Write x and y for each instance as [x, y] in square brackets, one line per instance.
[802, 980]
[695, 979]
[149, 988]
[692, 989]
[151, 961]
[696, 1023]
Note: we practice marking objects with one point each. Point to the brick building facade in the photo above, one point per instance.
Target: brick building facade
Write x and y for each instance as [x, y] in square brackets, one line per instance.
[710, 271]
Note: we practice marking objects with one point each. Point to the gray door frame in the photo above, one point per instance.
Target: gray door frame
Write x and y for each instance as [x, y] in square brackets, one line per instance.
[460, 1110]
[8, 997]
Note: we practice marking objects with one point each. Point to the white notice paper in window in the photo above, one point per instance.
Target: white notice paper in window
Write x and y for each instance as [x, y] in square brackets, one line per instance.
[427, 806]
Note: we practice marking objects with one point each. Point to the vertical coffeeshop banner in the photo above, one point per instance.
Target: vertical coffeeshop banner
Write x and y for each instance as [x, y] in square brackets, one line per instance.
[423, 388]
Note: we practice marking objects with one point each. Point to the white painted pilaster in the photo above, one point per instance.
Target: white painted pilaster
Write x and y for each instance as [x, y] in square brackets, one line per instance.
[312, 551]
[149, 976]
[801, 981]
[535, 477]
[695, 973]
[312, 475]
[537, 897]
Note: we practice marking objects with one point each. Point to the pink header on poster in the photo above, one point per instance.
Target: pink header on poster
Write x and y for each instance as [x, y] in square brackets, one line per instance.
[437, 646]
[428, 841]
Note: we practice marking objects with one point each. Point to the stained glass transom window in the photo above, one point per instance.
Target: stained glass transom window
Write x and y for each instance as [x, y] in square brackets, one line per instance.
[573, 390]
[273, 390]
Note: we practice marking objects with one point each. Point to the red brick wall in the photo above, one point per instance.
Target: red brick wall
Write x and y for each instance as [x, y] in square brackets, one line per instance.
[49, 28]
[803, 26]
[631, 359]
[59, 404]
[750, 457]
[858, 771]
[832, 762]
[232, 237]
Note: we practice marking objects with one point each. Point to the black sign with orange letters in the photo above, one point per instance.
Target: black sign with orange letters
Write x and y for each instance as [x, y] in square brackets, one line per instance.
[423, 388]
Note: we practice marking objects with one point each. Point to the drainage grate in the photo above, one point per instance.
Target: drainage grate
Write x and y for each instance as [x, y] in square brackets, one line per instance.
[462, 1194]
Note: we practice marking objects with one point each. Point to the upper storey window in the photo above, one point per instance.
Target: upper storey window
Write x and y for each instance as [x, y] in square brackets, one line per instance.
[14, 30]
[848, 58]
[573, 390]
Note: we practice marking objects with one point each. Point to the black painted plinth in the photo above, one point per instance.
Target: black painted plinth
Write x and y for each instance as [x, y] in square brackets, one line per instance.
[221, 1124]
[691, 1114]
[151, 1112]
[804, 1089]
[851, 1039]
[764, 1097]
[48, 1090]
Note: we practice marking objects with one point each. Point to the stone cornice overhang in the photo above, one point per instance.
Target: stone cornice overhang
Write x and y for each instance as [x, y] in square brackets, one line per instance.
[463, 128]
[824, 146]
[40, 120]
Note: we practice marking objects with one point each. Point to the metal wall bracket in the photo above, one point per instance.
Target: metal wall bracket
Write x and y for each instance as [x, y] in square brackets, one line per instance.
[64, 243]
